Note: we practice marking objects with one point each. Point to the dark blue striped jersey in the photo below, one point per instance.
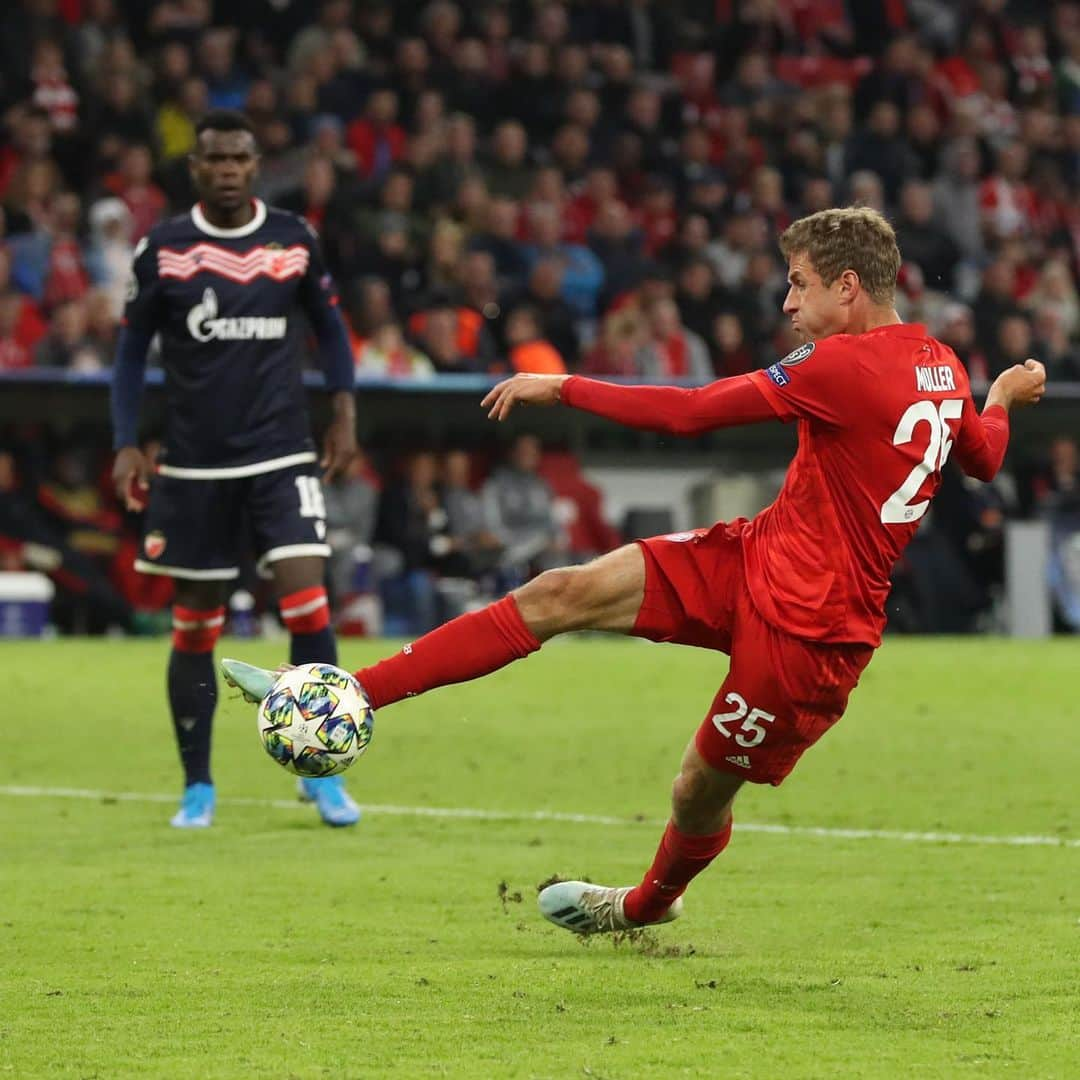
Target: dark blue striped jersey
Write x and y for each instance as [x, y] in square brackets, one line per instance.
[233, 308]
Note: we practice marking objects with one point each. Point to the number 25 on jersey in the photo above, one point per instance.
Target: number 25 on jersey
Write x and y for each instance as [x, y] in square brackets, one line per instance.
[898, 509]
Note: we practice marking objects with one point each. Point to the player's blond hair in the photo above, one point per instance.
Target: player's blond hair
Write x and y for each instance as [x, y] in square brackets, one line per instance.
[850, 238]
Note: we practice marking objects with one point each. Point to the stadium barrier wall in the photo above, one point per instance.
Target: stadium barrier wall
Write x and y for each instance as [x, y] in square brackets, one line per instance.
[445, 410]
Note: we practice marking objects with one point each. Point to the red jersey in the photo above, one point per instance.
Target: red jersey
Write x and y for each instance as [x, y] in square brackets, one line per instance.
[879, 414]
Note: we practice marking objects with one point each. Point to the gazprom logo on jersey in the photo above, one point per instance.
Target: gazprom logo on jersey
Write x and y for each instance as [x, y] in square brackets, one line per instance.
[204, 324]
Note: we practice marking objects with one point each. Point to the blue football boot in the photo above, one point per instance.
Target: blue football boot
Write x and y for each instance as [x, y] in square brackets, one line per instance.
[333, 802]
[196, 808]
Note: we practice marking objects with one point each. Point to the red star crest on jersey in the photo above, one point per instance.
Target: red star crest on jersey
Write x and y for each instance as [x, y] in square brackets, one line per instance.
[154, 545]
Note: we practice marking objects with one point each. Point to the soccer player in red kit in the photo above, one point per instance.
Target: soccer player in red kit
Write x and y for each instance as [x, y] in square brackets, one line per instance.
[796, 596]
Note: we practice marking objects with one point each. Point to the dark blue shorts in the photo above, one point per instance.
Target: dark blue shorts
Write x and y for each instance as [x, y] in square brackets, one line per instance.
[199, 528]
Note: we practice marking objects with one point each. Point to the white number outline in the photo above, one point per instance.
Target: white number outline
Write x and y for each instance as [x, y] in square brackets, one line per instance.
[749, 717]
[898, 509]
[312, 503]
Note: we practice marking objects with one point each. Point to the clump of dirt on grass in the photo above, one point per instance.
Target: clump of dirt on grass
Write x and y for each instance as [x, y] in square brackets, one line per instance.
[553, 880]
[556, 878]
[508, 897]
[646, 942]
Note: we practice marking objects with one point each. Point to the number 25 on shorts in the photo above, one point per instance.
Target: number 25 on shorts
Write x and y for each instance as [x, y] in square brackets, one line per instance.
[750, 732]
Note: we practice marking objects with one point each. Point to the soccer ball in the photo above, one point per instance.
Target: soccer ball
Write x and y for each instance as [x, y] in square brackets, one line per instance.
[316, 720]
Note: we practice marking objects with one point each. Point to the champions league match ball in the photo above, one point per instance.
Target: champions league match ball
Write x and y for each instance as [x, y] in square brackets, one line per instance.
[316, 720]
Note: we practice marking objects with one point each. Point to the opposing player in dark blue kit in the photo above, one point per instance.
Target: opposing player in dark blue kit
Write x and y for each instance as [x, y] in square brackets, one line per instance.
[227, 286]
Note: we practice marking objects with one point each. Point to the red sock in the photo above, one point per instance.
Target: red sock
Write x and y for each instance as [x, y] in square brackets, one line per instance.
[679, 859]
[464, 648]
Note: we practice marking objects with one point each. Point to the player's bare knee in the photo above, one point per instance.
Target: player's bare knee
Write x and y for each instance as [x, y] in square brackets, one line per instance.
[198, 595]
[552, 602]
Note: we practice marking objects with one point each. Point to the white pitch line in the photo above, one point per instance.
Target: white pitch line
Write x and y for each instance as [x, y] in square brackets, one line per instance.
[473, 813]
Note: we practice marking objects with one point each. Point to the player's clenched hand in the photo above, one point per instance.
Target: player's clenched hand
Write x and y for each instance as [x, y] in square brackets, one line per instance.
[522, 390]
[1022, 384]
[131, 477]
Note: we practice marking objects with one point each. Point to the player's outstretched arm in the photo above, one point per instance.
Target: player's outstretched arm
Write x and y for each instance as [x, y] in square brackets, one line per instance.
[983, 438]
[667, 409]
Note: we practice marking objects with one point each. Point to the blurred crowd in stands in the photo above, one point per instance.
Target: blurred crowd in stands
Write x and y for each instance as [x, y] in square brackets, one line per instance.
[594, 185]
[549, 185]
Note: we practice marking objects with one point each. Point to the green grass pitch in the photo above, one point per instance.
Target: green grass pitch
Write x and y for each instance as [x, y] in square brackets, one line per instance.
[270, 946]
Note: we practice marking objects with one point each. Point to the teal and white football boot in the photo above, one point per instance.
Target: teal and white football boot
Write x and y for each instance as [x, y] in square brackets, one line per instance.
[583, 908]
[253, 682]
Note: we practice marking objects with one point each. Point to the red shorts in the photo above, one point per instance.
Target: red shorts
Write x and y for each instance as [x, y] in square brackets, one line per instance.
[781, 693]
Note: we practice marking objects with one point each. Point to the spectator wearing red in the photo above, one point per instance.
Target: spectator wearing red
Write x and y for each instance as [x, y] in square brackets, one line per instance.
[17, 340]
[696, 74]
[376, 138]
[579, 507]
[657, 214]
[21, 323]
[622, 335]
[672, 351]
[316, 194]
[996, 118]
[497, 30]
[133, 183]
[53, 91]
[1031, 65]
[1006, 199]
[731, 353]
[957, 77]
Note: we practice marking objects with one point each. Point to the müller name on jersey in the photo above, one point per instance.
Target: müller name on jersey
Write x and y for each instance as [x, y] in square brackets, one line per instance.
[933, 380]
